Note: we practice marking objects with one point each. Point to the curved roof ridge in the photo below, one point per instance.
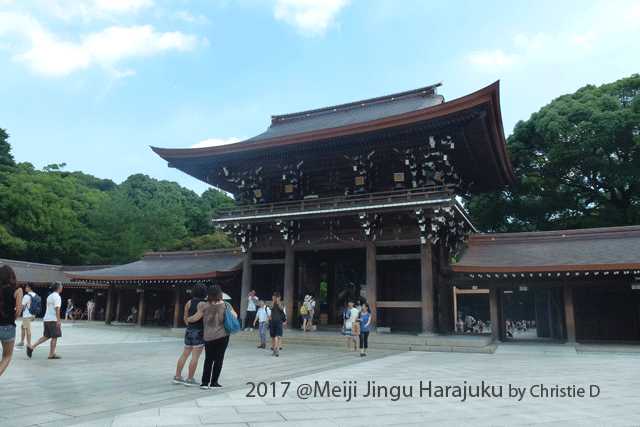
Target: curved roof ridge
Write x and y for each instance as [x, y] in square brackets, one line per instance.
[578, 233]
[429, 90]
[194, 253]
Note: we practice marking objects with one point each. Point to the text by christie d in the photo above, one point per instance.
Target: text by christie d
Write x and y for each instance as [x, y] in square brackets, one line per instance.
[427, 389]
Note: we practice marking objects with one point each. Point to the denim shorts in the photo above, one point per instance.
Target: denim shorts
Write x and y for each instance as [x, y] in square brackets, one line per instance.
[194, 337]
[7, 333]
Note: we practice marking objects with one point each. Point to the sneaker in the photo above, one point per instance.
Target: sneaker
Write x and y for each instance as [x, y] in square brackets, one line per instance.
[215, 385]
[361, 354]
[190, 382]
[29, 352]
[20, 344]
[178, 380]
[204, 387]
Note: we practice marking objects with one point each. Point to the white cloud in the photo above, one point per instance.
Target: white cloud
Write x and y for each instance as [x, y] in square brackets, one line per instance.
[490, 60]
[49, 55]
[598, 27]
[92, 9]
[310, 17]
[214, 142]
[186, 16]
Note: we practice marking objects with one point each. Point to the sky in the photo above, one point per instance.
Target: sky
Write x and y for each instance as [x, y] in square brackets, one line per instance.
[94, 83]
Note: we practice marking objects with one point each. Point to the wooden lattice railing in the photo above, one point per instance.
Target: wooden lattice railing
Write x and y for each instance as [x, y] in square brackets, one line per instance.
[337, 203]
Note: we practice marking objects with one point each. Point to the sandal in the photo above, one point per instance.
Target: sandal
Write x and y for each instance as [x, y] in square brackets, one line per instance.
[55, 356]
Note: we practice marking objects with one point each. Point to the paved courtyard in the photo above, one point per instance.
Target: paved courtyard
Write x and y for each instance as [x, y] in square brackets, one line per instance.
[120, 376]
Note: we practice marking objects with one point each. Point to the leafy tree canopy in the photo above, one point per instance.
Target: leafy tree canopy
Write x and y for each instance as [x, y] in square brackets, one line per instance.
[577, 164]
[56, 216]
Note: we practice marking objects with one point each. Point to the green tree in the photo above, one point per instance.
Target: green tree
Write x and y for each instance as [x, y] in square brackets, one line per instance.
[6, 158]
[145, 214]
[215, 240]
[46, 213]
[56, 216]
[577, 163]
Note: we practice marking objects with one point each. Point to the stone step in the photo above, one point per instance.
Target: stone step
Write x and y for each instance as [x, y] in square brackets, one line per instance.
[439, 343]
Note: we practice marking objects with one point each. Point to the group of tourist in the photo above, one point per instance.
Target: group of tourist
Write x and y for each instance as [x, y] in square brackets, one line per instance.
[205, 319]
[206, 316]
[356, 326]
[14, 303]
[467, 324]
[72, 312]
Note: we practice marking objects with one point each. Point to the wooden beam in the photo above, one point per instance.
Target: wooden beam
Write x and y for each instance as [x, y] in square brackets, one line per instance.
[119, 306]
[372, 280]
[246, 286]
[494, 313]
[289, 280]
[268, 261]
[454, 290]
[399, 304]
[459, 291]
[109, 308]
[141, 308]
[398, 257]
[569, 314]
[426, 287]
[176, 307]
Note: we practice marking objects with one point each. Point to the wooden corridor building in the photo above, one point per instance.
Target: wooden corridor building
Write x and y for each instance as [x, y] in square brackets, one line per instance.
[156, 287]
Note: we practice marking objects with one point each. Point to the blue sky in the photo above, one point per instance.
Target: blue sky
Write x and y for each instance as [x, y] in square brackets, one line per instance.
[93, 83]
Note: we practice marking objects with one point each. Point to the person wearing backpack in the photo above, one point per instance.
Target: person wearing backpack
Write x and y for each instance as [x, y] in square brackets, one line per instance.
[216, 336]
[32, 307]
[304, 312]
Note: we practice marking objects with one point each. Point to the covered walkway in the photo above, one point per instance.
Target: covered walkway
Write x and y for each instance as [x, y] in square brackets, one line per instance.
[155, 288]
[578, 284]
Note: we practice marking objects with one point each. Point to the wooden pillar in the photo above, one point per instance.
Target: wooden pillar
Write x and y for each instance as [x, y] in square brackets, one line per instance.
[494, 313]
[426, 287]
[141, 308]
[119, 306]
[569, 314]
[109, 308]
[372, 280]
[176, 307]
[245, 287]
[289, 280]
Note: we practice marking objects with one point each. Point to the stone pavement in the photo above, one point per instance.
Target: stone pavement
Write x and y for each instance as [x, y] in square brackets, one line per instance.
[106, 371]
[95, 386]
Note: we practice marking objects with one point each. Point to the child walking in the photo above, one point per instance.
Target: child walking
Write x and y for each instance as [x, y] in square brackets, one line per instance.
[262, 319]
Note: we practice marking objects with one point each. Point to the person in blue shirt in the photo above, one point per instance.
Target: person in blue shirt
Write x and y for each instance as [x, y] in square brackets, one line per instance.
[365, 327]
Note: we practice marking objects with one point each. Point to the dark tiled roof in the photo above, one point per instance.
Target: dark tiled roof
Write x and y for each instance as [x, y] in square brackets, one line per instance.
[351, 113]
[32, 272]
[193, 265]
[550, 251]
[483, 136]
